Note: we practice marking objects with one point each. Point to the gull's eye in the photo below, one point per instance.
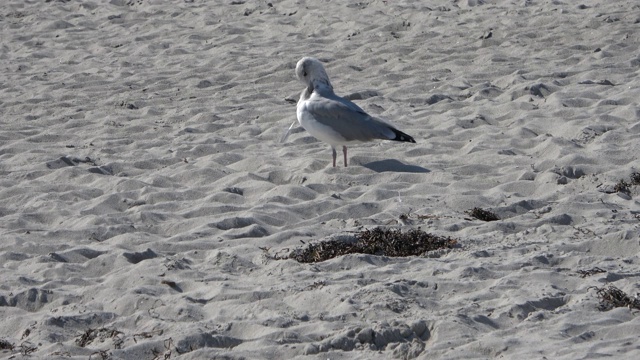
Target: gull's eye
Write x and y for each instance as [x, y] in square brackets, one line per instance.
[304, 74]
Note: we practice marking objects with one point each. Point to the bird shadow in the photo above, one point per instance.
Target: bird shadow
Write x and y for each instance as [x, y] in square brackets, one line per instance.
[391, 165]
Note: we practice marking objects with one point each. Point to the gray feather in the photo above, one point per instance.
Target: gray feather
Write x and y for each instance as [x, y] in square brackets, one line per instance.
[348, 119]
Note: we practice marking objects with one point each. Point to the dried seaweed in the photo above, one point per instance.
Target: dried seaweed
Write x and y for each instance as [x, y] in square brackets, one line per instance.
[593, 271]
[622, 187]
[168, 343]
[147, 334]
[5, 345]
[612, 297]
[27, 348]
[378, 241]
[481, 214]
[91, 334]
[104, 355]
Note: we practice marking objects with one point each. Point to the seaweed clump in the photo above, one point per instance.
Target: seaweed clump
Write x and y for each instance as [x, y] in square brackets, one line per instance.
[622, 186]
[595, 270]
[378, 241]
[612, 297]
[91, 334]
[6, 345]
[482, 214]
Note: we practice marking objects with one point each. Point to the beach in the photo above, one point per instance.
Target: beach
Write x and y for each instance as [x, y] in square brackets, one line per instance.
[148, 209]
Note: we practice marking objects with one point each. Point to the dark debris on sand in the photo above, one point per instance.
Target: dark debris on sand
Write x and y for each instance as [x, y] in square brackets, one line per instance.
[623, 186]
[91, 334]
[26, 348]
[612, 297]
[378, 241]
[481, 214]
[593, 271]
[5, 345]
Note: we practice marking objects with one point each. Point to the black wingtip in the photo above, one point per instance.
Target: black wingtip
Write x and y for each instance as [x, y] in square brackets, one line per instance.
[400, 136]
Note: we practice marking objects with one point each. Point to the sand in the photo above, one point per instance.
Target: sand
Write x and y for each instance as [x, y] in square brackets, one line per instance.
[144, 194]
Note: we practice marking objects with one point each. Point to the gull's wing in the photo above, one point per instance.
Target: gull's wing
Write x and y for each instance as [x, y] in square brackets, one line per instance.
[347, 119]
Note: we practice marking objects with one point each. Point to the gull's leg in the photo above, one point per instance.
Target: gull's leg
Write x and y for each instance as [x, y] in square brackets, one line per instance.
[344, 151]
[334, 156]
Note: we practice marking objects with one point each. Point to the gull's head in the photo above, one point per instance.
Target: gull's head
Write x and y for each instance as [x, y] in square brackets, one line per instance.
[311, 72]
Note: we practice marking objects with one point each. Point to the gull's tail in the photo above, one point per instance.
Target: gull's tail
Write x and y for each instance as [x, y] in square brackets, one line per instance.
[400, 136]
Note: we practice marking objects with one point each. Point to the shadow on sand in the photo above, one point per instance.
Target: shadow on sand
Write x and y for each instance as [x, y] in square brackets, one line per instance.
[391, 165]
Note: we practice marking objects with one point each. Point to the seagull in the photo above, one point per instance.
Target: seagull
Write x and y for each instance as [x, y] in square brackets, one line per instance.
[333, 119]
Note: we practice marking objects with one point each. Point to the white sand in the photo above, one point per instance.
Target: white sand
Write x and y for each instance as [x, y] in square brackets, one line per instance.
[141, 174]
